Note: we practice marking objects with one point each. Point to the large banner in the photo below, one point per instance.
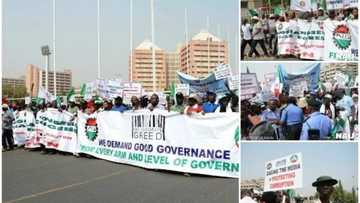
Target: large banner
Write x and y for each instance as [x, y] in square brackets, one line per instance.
[194, 144]
[341, 4]
[24, 128]
[341, 41]
[284, 173]
[201, 86]
[310, 76]
[311, 40]
[287, 33]
[59, 130]
[319, 40]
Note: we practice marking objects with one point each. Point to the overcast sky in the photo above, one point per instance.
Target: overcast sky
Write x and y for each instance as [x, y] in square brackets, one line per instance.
[27, 25]
[338, 160]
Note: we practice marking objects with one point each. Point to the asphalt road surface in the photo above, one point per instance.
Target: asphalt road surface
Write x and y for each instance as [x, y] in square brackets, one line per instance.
[29, 176]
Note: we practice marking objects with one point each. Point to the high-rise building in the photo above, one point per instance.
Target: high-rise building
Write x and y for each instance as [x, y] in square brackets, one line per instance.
[328, 72]
[63, 81]
[202, 54]
[142, 66]
[172, 65]
[32, 80]
[36, 77]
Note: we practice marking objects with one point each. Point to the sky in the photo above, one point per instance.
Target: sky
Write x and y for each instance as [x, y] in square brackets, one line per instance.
[338, 160]
[27, 25]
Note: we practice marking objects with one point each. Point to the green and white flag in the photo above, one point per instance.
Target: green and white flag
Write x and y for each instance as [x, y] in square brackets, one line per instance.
[301, 5]
[70, 97]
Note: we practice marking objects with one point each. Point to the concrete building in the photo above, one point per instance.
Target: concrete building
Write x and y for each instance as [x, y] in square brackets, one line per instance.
[13, 82]
[245, 5]
[142, 66]
[63, 81]
[36, 77]
[328, 72]
[172, 65]
[254, 184]
[202, 54]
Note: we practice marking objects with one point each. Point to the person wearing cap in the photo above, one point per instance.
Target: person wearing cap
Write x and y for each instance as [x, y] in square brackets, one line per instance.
[7, 132]
[321, 14]
[210, 106]
[291, 119]
[179, 105]
[317, 126]
[325, 187]
[258, 37]
[73, 108]
[344, 102]
[193, 105]
[327, 108]
[119, 106]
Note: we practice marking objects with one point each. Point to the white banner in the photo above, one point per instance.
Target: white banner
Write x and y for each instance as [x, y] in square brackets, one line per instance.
[131, 89]
[287, 33]
[341, 41]
[311, 40]
[301, 5]
[194, 144]
[59, 130]
[297, 87]
[23, 128]
[284, 173]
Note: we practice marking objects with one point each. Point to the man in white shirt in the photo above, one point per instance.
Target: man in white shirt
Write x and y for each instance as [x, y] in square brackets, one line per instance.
[258, 36]
[246, 37]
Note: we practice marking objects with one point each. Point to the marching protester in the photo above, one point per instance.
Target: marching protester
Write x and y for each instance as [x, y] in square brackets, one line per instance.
[193, 105]
[179, 103]
[258, 37]
[282, 34]
[119, 106]
[135, 104]
[154, 103]
[7, 131]
[210, 106]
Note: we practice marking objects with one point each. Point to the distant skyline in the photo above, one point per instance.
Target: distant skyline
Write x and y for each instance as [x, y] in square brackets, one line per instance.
[338, 160]
[27, 25]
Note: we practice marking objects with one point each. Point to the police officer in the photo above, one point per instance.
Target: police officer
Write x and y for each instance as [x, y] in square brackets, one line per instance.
[317, 126]
[325, 187]
[292, 118]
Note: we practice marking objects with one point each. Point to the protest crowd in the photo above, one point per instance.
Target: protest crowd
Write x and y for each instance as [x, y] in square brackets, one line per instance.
[316, 116]
[296, 33]
[188, 105]
[301, 111]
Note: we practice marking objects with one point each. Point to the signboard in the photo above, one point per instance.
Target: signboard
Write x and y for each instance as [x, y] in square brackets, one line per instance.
[297, 87]
[131, 89]
[284, 173]
[183, 88]
[249, 84]
[222, 71]
[233, 82]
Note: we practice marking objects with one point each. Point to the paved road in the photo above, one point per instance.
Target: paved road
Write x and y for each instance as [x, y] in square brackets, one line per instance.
[29, 176]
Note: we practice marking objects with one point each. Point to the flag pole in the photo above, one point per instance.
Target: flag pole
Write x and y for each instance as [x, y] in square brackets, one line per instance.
[153, 45]
[131, 40]
[98, 40]
[54, 45]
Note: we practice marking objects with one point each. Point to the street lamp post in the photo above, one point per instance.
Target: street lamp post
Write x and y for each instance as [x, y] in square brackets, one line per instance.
[45, 51]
